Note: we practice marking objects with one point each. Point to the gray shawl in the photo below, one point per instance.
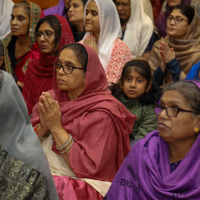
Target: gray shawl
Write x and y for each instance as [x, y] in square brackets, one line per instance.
[17, 137]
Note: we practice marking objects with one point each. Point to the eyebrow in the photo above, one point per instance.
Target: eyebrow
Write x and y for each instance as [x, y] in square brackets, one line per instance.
[66, 62]
[18, 16]
[171, 102]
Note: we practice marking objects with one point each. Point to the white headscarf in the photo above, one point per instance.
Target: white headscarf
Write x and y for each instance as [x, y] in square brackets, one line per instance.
[110, 29]
[148, 9]
[139, 29]
[5, 16]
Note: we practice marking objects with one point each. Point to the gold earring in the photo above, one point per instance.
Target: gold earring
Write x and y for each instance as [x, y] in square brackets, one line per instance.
[196, 130]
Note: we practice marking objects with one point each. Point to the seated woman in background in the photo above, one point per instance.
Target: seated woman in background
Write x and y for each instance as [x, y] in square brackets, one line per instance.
[165, 164]
[75, 16]
[61, 9]
[140, 95]
[19, 46]
[52, 33]
[24, 170]
[89, 129]
[137, 28]
[6, 10]
[161, 22]
[103, 28]
[172, 57]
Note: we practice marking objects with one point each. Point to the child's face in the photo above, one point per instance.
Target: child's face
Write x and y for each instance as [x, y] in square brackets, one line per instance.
[134, 85]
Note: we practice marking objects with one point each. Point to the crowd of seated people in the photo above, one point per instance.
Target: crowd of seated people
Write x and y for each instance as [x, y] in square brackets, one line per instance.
[98, 101]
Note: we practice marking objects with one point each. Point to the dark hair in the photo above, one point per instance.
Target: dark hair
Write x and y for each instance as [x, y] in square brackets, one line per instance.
[186, 10]
[55, 25]
[80, 52]
[190, 91]
[140, 66]
[83, 1]
[25, 5]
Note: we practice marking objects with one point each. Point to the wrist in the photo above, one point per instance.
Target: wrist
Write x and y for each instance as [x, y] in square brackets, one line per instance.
[57, 129]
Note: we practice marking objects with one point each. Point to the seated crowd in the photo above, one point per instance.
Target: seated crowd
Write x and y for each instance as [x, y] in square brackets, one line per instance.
[99, 102]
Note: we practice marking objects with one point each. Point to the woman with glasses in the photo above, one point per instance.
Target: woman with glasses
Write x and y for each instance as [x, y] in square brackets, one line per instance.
[84, 130]
[137, 27]
[165, 164]
[161, 22]
[19, 46]
[172, 57]
[102, 26]
[52, 33]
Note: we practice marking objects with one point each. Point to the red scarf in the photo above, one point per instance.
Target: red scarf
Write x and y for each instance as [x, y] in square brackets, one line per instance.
[99, 124]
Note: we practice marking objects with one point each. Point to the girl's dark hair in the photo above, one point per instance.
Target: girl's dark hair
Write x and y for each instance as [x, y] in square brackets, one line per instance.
[190, 91]
[55, 25]
[140, 66]
[84, 2]
[186, 10]
[25, 5]
[80, 52]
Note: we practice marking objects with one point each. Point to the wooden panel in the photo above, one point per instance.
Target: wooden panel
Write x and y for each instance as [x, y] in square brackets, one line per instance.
[43, 3]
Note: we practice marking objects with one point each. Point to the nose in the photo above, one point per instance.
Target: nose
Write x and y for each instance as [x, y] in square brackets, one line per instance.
[88, 16]
[70, 9]
[13, 21]
[60, 71]
[133, 83]
[163, 114]
[173, 22]
[42, 38]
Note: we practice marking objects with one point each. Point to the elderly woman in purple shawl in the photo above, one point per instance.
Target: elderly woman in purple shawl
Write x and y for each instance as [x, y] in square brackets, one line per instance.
[165, 164]
[161, 22]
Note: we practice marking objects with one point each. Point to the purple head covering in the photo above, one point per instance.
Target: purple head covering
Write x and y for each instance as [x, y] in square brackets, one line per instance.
[57, 10]
[162, 18]
[145, 173]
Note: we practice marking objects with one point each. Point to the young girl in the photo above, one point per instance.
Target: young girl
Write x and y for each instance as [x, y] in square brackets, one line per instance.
[139, 94]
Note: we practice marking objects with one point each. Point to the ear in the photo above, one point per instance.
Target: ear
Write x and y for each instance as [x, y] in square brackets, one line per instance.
[197, 122]
[120, 83]
[149, 87]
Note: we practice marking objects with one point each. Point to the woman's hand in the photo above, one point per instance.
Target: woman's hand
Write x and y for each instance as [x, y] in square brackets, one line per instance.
[90, 40]
[167, 53]
[49, 113]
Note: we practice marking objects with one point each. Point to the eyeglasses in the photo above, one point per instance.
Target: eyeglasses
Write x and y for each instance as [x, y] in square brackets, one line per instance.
[123, 5]
[177, 20]
[171, 111]
[46, 34]
[67, 69]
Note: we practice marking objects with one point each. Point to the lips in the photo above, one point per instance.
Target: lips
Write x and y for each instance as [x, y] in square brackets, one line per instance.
[14, 29]
[61, 81]
[70, 15]
[43, 47]
[162, 126]
[131, 92]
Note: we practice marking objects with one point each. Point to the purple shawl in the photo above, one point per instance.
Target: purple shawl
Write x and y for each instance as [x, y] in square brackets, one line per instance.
[162, 18]
[145, 173]
[57, 10]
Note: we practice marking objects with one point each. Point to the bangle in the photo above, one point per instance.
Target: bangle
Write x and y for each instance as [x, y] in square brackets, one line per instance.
[61, 152]
[65, 144]
[45, 136]
[35, 128]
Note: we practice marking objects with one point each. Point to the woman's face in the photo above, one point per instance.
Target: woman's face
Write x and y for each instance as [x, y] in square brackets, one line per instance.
[46, 44]
[92, 18]
[123, 8]
[72, 83]
[76, 11]
[66, 4]
[19, 22]
[173, 3]
[181, 127]
[175, 29]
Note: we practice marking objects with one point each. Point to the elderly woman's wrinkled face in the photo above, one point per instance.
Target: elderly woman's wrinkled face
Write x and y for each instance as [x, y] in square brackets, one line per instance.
[72, 83]
[177, 28]
[66, 4]
[123, 9]
[173, 3]
[19, 22]
[181, 127]
[92, 18]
